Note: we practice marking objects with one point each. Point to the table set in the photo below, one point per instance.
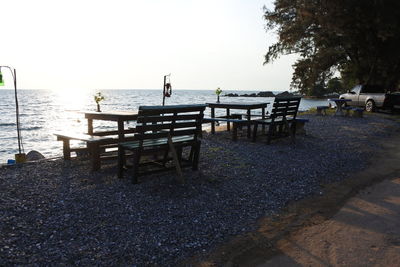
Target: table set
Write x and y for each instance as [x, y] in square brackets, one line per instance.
[98, 141]
[339, 105]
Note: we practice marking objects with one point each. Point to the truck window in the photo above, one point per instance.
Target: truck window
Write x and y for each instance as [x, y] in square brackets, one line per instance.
[356, 89]
[371, 89]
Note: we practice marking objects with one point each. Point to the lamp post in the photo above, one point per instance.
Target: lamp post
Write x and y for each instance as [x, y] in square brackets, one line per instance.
[167, 89]
[20, 157]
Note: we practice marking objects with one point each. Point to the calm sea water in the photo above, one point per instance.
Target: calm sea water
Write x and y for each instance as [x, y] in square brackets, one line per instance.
[45, 112]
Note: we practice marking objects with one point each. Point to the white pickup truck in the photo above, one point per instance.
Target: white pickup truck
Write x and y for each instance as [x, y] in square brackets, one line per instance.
[372, 97]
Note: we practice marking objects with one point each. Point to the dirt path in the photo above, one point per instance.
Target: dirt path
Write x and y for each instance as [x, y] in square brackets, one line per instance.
[352, 224]
[365, 232]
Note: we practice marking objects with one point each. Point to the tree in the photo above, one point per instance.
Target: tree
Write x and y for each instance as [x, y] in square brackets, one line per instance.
[359, 40]
[334, 85]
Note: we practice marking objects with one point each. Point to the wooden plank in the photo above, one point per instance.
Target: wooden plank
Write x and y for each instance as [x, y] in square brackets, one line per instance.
[157, 110]
[112, 115]
[237, 105]
[183, 117]
[157, 142]
[158, 135]
[208, 120]
[158, 127]
[106, 133]
[81, 137]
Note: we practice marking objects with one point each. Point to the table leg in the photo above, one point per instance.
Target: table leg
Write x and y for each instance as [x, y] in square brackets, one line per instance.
[339, 110]
[120, 130]
[90, 126]
[248, 125]
[263, 117]
[94, 150]
[228, 125]
[213, 122]
[66, 149]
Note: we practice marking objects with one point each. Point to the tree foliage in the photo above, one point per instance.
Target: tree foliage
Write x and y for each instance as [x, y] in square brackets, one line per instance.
[357, 39]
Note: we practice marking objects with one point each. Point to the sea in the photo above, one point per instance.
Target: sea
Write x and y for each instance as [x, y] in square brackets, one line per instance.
[45, 112]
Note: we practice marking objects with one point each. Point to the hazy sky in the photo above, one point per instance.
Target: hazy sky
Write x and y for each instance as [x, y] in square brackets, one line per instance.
[131, 44]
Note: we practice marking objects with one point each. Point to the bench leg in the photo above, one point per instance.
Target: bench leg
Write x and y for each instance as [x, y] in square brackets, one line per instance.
[292, 130]
[212, 123]
[179, 151]
[228, 124]
[95, 156]
[66, 149]
[135, 168]
[191, 155]
[196, 156]
[235, 132]
[255, 132]
[248, 125]
[165, 158]
[271, 131]
[121, 161]
[263, 117]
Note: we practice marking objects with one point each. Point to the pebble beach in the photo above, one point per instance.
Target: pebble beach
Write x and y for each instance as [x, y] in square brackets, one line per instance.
[60, 213]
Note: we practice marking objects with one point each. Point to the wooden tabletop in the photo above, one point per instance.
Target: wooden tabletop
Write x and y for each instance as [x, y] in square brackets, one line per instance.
[114, 115]
[237, 105]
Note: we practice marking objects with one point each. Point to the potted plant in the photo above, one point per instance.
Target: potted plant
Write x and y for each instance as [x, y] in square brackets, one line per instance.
[98, 98]
[218, 92]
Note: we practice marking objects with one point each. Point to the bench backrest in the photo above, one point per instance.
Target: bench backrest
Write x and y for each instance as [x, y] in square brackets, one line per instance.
[156, 122]
[285, 107]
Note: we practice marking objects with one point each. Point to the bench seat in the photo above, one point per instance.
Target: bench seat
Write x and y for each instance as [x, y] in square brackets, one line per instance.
[156, 142]
[93, 145]
[357, 112]
[237, 123]
[81, 137]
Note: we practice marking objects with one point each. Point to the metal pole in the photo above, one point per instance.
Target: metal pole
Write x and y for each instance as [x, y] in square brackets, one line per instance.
[163, 100]
[17, 112]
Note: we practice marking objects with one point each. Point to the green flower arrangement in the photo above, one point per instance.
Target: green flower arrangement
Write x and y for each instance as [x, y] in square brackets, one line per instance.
[218, 91]
[98, 97]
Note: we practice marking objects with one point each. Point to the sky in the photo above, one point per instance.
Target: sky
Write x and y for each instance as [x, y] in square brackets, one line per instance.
[132, 44]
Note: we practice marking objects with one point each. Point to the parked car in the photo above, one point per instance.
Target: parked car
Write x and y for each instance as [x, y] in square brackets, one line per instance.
[372, 97]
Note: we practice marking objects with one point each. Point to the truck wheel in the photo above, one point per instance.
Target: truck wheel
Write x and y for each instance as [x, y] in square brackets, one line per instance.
[370, 106]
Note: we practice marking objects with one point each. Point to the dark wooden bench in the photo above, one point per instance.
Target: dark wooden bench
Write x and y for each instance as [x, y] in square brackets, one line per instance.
[282, 121]
[357, 112]
[165, 129]
[93, 146]
[236, 121]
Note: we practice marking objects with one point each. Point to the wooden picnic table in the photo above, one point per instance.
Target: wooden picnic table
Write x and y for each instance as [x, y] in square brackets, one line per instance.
[339, 103]
[118, 116]
[241, 106]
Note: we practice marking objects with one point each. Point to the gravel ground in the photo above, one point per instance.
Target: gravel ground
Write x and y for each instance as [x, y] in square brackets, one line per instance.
[57, 212]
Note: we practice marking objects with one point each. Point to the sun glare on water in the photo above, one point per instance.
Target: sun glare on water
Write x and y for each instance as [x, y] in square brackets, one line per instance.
[74, 99]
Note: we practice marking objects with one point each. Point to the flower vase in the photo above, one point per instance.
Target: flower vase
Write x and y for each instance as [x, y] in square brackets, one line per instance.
[218, 99]
[98, 107]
